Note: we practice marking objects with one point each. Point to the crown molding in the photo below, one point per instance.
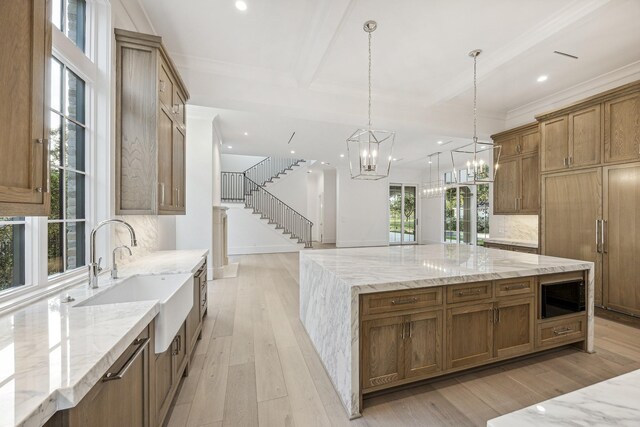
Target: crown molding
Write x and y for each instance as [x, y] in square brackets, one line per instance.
[526, 113]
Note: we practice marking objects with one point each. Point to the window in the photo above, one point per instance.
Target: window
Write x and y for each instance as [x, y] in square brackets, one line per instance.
[69, 16]
[466, 213]
[402, 214]
[66, 224]
[12, 252]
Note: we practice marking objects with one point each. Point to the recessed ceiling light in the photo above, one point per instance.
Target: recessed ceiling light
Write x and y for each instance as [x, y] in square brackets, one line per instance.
[439, 142]
[241, 5]
[246, 134]
[542, 78]
[430, 162]
[293, 152]
[341, 155]
[322, 163]
[309, 171]
[229, 147]
[394, 159]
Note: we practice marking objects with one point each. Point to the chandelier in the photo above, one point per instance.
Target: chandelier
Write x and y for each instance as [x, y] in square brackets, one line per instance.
[471, 162]
[434, 187]
[370, 149]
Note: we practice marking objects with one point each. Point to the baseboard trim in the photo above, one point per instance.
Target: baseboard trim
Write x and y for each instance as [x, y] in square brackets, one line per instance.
[251, 250]
[361, 244]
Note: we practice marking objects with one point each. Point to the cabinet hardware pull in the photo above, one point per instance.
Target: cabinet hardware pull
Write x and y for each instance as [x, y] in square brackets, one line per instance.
[563, 331]
[403, 327]
[162, 85]
[598, 248]
[603, 228]
[141, 343]
[498, 313]
[570, 160]
[466, 294]
[38, 189]
[175, 346]
[410, 329]
[41, 141]
[162, 193]
[515, 287]
[404, 301]
[492, 315]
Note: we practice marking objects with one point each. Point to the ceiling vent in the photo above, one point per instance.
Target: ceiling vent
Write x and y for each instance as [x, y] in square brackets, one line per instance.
[568, 55]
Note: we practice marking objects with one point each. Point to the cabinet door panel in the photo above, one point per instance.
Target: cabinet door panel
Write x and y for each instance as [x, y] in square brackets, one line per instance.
[25, 41]
[514, 327]
[622, 233]
[555, 144]
[165, 86]
[530, 184]
[193, 319]
[424, 344]
[178, 167]
[505, 191]
[469, 335]
[530, 142]
[508, 145]
[572, 202]
[164, 379]
[165, 159]
[382, 351]
[622, 129]
[584, 137]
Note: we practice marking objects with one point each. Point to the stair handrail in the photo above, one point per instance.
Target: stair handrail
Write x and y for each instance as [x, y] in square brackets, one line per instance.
[275, 197]
[302, 230]
[259, 171]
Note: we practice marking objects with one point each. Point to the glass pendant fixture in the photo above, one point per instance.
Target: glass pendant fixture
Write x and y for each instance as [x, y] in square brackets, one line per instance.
[370, 149]
[434, 188]
[472, 162]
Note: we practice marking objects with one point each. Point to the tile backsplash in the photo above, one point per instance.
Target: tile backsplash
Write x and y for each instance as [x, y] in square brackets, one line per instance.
[516, 227]
[153, 233]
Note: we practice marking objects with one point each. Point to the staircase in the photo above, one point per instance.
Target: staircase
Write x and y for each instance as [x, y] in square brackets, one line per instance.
[248, 187]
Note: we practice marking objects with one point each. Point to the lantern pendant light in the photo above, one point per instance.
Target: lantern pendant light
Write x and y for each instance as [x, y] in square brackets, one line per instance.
[434, 188]
[370, 149]
[471, 163]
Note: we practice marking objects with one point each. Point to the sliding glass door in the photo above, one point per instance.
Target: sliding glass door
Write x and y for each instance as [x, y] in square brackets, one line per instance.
[403, 222]
[466, 214]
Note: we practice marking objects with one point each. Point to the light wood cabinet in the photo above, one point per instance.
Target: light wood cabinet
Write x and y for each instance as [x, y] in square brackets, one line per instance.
[517, 181]
[121, 396]
[572, 140]
[169, 369]
[514, 248]
[383, 351]
[469, 335]
[620, 236]
[571, 207]
[25, 43]
[622, 129]
[423, 344]
[150, 128]
[514, 326]
[194, 323]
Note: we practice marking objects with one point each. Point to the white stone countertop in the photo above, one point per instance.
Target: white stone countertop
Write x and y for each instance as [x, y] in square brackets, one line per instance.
[52, 353]
[614, 402]
[397, 267]
[513, 242]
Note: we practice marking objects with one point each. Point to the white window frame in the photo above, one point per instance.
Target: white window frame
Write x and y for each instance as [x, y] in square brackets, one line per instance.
[416, 240]
[94, 66]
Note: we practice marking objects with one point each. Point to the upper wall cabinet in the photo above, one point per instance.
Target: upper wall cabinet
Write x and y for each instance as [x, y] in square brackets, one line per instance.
[150, 128]
[622, 128]
[25, 43]
[516, 185]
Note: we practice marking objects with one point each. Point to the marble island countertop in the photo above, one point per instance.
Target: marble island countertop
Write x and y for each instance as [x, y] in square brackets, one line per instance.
[398, 267]
[331, 282]
[52, 352]
[513, 242]
[614, 402]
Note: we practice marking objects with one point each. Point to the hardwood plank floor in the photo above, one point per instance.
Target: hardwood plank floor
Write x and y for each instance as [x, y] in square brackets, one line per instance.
[255, 365]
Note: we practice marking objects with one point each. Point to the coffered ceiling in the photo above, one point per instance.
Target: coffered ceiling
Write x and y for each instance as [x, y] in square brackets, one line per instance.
[303, 64]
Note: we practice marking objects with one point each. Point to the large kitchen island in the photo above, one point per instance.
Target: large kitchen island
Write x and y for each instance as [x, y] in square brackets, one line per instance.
[387, 316]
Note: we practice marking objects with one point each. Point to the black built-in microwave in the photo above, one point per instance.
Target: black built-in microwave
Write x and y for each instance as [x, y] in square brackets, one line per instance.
[559, 298]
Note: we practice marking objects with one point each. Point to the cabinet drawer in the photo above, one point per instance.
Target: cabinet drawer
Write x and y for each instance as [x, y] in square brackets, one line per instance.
[561, 331]
[519, 286]
[397, 301]
[469, 292]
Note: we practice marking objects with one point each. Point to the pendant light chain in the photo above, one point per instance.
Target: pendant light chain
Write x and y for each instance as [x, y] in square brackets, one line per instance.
[369, 81]
[475, 99]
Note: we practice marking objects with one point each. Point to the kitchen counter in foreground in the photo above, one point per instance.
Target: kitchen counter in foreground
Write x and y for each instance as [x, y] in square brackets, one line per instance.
[614, 402]
[52, 353]
[332, 282]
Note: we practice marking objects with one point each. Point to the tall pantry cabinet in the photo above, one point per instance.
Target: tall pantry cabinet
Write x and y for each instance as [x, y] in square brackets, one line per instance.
[150, 128]
[590, 184]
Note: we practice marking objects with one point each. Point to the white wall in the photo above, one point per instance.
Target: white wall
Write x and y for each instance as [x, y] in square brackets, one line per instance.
[194, 230]
[291, 188]
[249, 235]
[238, 163]
[329, 210]
[362, 211]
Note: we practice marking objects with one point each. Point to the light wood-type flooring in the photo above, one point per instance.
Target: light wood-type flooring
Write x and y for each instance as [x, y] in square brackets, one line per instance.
[256, 366]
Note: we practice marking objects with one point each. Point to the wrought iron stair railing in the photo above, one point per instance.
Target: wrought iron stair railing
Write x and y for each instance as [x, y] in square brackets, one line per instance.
[271, 168]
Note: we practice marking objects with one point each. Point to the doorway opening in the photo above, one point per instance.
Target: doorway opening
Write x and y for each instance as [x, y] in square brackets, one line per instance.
[403, 219]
